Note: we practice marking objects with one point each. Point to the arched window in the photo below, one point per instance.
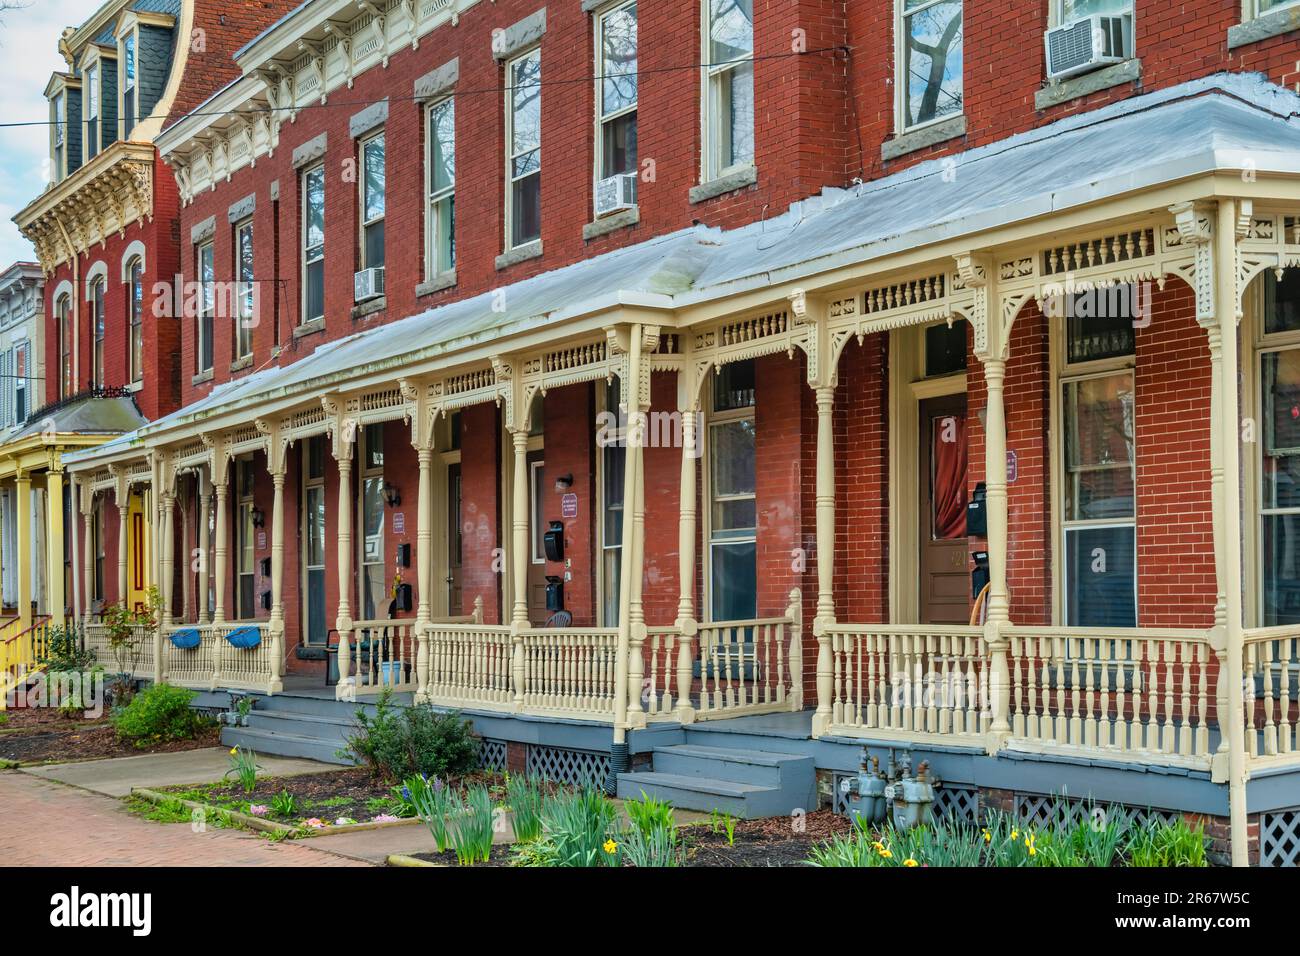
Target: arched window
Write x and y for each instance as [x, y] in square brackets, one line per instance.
[63, 314]
[96, 300]
[135, 320]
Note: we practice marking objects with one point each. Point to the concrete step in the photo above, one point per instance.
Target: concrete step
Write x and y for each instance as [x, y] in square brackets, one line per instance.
[743, 800]
[759, 767]
[334, 729]
[282, 744]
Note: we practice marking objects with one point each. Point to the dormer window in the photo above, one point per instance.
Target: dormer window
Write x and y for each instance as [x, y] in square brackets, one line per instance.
[128, 85]
[92, 111]
[59, 117]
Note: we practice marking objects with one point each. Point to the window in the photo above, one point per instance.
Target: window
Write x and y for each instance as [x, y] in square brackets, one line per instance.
[207, 308]
[247, 291]
[20, 384]
[373, 596]
[729, 86]
[63, 311]
[246, 559]
[440, 227]
[1266, 6]
[1279, 463]
[613, 459]
[314, 539]
[945, 348]
[1067, 11]
[313, 243]
[616, 91]
[930, 61]
[92, 111]
[372, 203]
[135, 320]
[524, 149]
[733, 570]
[97, 547]
[97, 331]
[60, 119]
[1099, 508]
[128, 84]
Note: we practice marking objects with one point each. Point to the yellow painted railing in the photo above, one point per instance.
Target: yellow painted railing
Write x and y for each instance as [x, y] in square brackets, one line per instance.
[215, 662]
[1272, 710]
[21, 652]
[570, 671]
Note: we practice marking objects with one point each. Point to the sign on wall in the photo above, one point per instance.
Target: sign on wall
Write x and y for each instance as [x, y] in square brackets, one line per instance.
[399, 522]
[569, 506]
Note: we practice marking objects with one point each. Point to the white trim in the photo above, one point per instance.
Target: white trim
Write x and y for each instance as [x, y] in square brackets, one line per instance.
[432, 218]
[901, 13]
[510, 153]
[710, 169]
[136, 250]
[602, 119]
[98, 271]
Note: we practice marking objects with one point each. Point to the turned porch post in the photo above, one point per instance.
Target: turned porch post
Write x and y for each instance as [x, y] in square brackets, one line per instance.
[344, 440]
[277, 463]
[686, 624]
[221, 491]
[23, 495]
[122, 498]
[424, 569]
[54, 543]
[825, 509]
[636, 613]
[204, 544]
[88, 557]
[519, 553]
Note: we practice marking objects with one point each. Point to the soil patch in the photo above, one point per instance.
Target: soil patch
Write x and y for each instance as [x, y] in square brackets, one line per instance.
[772, 842]
[62, 740]
[500, 856]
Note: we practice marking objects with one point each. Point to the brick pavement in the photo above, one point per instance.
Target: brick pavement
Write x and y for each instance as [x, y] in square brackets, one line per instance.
[43, 823]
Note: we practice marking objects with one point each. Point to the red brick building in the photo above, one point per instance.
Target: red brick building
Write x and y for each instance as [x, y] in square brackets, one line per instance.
[940, 302]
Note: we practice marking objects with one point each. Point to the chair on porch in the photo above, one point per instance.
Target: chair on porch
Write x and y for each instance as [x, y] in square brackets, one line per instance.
[372, 647]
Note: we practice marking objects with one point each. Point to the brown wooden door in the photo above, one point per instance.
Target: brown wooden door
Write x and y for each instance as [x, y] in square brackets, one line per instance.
[455, 531]
[537, 519]
[944, 560]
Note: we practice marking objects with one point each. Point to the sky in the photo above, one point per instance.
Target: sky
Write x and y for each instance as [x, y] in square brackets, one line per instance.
[29, 53]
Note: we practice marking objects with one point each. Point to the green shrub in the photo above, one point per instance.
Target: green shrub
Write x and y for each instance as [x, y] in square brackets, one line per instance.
[400, 742]
[160, 713]
[64, 650]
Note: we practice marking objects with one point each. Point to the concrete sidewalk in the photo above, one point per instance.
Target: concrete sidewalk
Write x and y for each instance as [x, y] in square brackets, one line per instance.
[116, 777]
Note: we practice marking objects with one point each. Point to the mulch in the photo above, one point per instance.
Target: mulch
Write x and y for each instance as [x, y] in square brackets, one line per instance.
[779, 841]
[501, 855]
[44, 736]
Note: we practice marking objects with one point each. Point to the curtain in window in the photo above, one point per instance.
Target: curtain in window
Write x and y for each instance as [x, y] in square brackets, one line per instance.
[949, 490]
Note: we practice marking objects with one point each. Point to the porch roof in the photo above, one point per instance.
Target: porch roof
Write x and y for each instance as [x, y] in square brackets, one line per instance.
[1223, 122]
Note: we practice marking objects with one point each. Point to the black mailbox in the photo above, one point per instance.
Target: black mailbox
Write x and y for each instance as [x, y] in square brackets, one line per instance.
[979, 575]
[977, 514]
[266, 600]
[553, 541]
[402, 599]
[404, 555]
[266, 567]
[554, 593]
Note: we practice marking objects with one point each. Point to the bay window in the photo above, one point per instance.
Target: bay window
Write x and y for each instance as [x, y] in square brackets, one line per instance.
[929, 82]
[440, 223]
[729, 86]
[616, 91]
[313, 243]
[524, 149]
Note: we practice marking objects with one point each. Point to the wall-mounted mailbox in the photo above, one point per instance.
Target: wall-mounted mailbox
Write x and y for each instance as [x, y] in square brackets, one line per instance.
[979, 575]
[402, 599]
[265, 565]
[553, 541]
[977, 515]
[404, 555]
[554, 593]
[266, 600]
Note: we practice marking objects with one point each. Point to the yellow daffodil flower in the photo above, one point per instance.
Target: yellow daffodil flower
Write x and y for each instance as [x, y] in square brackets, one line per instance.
[887, 853]
[610, 847]
[909, 862]
[988, 837]
[234, 751]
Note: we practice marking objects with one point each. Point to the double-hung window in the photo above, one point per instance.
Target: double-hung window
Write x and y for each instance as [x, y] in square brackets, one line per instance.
[135, 317]
[207, 308]
[1097, 400]
[616, 91]
[128, 84]
[440, 225]
[929, 61]
[729, 86]
[1278, 372]
[96, 299]
[524, 149]
[60, 120]
[613, 458]
[313, 243]
[733, 514]
[313, 531]
[91, 94]
[63, 312]
[372, 202]
[246, 294]
[20, 384]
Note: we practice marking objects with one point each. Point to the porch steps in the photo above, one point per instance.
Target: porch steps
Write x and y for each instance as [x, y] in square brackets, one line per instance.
[290, 726]
[744, 783]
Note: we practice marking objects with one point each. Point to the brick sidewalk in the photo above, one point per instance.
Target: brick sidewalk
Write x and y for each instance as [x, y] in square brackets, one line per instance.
[49, 824]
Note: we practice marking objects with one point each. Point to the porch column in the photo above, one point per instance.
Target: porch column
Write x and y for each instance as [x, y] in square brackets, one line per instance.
[519, 556]
[23, 496]
[204, 544]
[825, 509]
[686, 532]
[277, 579]
[346, 688]
[88, 539]
[220, 491]
[123, 533]
[995, 484]
[636, 616]
[167, 555]
[54, 543]
[424, 568]
[631, 389]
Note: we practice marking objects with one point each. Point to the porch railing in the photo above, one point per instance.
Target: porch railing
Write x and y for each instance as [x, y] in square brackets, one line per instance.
[21, 651]
[913, 682]
[385, 654]
[569, 672]
[1272, 701]
[215, 662]
[1143, 695]
[139, 659]
[470, 665]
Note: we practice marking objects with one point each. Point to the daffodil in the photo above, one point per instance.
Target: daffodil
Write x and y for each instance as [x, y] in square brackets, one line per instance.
[610, 847]
[877, 846]
[909, 862]
[1029, 844]
[234, 751]
[887, 853]
[1015, 834]
[988, 837]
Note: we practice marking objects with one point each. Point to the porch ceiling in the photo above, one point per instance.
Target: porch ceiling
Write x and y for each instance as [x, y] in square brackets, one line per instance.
[1224, 122]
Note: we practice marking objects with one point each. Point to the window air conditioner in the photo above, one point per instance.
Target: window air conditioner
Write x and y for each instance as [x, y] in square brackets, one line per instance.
[368, 284]
[1088, 43]
[615, 193]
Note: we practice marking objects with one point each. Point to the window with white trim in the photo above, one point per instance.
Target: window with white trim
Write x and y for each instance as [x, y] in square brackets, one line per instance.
[20, 366]
[1278, 372]
[90, 93]
[135, 320]
[728, 86]
[63, 322]
[524, 149]
[930, 62]
[372, 202]
[59, 116]
[313, 243]
[205, 270]
[246, 294]
[1099, 507]
[96, 302]
[1257, 8]
[733, 510]
[440, 221]
[616, 91]
[315, 629]
[128, 85]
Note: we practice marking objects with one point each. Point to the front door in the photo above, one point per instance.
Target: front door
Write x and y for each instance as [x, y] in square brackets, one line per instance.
[944, 562]
[454, 539]
[537, 500]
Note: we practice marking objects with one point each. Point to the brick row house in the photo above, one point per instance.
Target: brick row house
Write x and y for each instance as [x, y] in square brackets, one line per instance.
[616, 371]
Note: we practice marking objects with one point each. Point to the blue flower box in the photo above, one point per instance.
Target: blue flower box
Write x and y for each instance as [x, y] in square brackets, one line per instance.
[186, 639]
[245, 637]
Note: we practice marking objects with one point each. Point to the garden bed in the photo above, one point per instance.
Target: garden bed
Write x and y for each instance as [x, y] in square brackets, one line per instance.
[46, 736]
[502, 855]
[771, 842]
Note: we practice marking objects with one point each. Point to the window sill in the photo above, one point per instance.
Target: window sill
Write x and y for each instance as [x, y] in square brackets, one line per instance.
[1117, 74]
[134, 387]
[612, 223]
[1262, 27]
[202, 378]
[443, 280]
[921, 138]
[369, 307]
[724, 184]
[530, 250]
[238, 365]
[309, 328]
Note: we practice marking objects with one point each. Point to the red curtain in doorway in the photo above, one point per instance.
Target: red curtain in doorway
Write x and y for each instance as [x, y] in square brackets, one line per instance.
[948, 452]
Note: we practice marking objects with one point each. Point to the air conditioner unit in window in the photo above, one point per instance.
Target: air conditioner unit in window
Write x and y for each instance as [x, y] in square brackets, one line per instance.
[368, 284]
[615, 193]
[1088, 43]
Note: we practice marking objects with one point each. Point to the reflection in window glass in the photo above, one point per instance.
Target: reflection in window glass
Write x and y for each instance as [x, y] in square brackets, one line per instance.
[313, 248]
[1099, 460]
[932, 66]
[730, 78]
[1280, 477]
[525, 148]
